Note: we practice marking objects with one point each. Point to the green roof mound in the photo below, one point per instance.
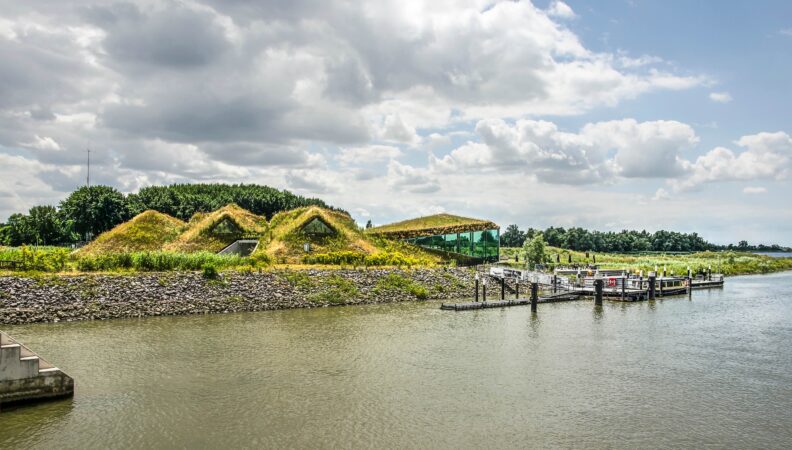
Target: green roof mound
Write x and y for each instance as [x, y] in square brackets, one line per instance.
[149, 230]
[330, 233]
[431, 226]
[218, 229]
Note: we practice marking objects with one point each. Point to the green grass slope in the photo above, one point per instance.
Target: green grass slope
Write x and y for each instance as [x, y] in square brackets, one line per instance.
[149, 230]
[283, 243]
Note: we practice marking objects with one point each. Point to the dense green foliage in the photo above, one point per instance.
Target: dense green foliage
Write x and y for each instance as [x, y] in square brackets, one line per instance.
[90, 211]
[94, 210]
[42, 259]
[625, 241]
[42, 225]
[534, 250]
[159, 261]
[184, 200]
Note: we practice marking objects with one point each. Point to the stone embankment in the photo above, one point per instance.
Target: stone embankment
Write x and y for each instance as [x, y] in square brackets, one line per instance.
[97, 297]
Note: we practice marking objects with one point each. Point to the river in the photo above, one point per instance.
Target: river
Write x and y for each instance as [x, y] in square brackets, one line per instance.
[712, 371]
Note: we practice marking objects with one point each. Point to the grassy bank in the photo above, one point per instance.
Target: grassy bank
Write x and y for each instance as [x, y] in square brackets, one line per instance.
[63, 260]
[727, 263]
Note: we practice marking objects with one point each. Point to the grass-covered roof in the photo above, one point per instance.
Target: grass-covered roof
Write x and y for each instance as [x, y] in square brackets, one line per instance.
[432, 225]
[286, 236]
[202, 232]
[149, 230]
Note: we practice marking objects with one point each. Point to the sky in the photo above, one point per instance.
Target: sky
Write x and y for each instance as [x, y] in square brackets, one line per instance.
[609, 115]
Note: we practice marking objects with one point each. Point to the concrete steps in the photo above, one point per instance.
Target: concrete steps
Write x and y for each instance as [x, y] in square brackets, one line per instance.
[25, 376]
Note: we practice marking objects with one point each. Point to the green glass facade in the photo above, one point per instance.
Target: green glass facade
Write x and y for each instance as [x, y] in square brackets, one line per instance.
[484, 245]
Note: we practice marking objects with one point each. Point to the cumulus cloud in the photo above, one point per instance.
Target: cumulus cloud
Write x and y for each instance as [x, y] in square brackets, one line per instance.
[561, 10]
[720, 97]
[754, 190]
[368, 154]
[767, 156]
[403, 177]
[598, 153]
[272, 91]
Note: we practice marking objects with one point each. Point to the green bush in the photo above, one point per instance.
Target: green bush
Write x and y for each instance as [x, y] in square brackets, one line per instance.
[395, 282]
[338, 290]
[210, 271]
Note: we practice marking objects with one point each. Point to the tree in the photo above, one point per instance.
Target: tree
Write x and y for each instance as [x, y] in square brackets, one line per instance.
[95, 209]
[18, 231]
[184, 200]
[369, 224]
[512, 237]
[535, 250]
[47, 226]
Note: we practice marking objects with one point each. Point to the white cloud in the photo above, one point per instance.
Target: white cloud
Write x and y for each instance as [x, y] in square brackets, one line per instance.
[42, 143]
[785, 32]
[754, 190]
[661, 194]
[561, 10]
[369, 154]
[720, 97]
[598, 153]
[767, 156]
[406, 178]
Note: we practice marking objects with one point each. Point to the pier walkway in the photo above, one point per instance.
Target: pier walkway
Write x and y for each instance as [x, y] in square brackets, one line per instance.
[556, 288]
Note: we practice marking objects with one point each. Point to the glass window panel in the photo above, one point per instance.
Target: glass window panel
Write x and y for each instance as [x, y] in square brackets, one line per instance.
[478, 244]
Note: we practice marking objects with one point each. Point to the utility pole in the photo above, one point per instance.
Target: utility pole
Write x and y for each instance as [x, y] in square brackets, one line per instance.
[88, 176]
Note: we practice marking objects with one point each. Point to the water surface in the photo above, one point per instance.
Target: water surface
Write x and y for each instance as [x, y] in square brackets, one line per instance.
[712, 371]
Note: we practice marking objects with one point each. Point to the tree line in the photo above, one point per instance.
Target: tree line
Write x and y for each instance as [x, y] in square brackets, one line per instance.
[625, 241]
[89, 211]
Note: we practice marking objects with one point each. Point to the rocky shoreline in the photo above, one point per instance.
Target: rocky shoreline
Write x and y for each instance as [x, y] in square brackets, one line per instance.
[66, 298]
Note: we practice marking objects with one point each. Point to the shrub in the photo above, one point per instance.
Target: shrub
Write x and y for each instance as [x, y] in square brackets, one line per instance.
[395, 282]
[338, 291]
[210, 271]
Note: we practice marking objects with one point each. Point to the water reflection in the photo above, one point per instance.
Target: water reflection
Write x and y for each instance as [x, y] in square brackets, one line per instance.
[676, 374]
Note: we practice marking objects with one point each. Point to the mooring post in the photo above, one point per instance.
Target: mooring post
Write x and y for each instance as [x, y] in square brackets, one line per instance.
[598, 291]
[689, 287]
[477, 286]
[534, 295]
[503, 288]
[652, 278]
[555, 283]
[709, 273]
[661, 286]
[624, 281]
[517, 289]
[484, 290]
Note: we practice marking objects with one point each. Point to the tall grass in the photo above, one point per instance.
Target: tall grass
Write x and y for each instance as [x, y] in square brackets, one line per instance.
[727, 263]
[159, 261]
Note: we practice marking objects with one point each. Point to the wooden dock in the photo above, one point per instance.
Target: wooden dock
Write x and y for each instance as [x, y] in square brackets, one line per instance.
[565, 297]
[664, 287]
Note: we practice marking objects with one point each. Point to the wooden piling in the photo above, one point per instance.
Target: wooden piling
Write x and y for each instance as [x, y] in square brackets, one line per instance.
[598, 284]
[503, 288]
[477, 289]
[624, 281]
[534, 295]
[652, 278]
